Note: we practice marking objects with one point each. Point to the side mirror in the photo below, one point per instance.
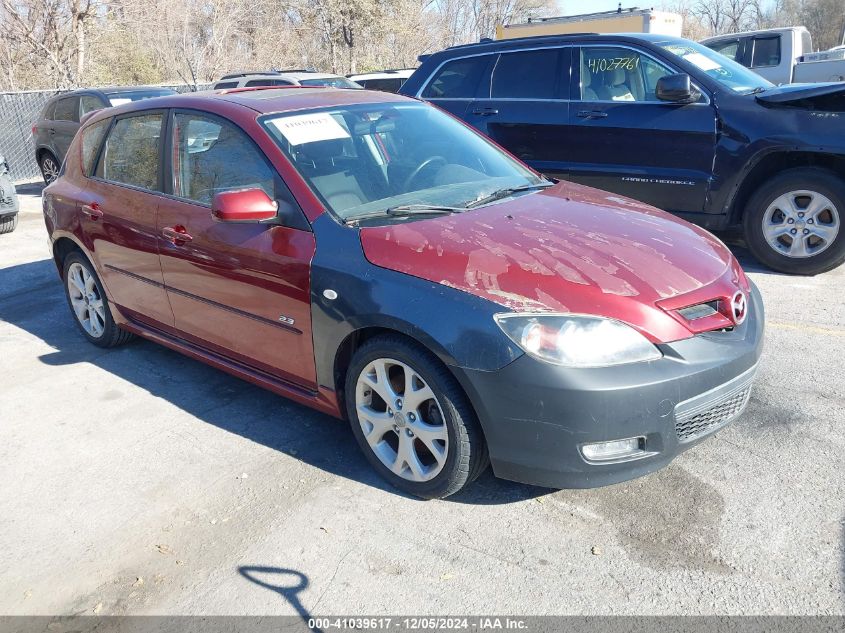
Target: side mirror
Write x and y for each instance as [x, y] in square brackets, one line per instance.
[243, 205]
[676, 89]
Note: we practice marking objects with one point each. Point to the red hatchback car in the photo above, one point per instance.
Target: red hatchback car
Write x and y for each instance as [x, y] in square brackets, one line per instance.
[371, 257]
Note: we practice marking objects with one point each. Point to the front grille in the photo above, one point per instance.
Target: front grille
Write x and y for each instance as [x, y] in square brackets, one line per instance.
[706, 413]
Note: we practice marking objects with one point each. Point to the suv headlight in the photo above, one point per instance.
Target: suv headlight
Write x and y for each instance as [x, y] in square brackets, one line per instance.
[577, 340]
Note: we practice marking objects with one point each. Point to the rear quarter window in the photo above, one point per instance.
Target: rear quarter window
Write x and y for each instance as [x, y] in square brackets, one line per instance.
[92, 138]
[225, 85]
[457, 79]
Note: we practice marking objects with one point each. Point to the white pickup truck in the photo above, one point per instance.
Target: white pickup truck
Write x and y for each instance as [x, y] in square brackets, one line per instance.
[783, 56]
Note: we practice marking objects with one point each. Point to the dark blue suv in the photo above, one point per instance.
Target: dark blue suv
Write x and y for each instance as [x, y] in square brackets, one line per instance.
[666, 121]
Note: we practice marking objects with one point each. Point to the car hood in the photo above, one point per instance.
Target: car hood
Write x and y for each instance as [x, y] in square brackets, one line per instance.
[569, 249]
[825, 96]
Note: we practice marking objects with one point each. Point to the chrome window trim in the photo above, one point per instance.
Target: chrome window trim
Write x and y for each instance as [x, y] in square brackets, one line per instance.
[428, 81]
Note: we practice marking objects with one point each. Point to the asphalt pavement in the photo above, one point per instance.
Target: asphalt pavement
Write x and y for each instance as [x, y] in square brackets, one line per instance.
[138, 481]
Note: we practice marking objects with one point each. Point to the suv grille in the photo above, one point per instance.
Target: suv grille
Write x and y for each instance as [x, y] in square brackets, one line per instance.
[703, 415]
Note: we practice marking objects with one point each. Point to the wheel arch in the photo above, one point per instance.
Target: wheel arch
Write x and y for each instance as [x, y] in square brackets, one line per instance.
[774, 163]
[360, 335]
[62, 247]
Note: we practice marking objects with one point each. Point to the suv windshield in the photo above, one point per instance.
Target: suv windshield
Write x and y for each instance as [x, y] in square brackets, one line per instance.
[364, 159]
[716, 66]
[332, 82]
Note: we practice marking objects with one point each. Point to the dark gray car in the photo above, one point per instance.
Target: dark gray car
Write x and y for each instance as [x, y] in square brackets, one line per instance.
[59, 120]
[8, 200]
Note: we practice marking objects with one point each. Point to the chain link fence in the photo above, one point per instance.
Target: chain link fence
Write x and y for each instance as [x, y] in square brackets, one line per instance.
[18, 113]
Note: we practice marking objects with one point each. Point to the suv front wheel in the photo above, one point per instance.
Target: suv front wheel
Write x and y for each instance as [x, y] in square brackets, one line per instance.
[793, 223]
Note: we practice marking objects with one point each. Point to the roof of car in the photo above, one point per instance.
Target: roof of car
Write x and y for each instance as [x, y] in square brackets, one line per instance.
[519, 42]
[112, 89]
[291, 76]
[264, 99]
[397, 73]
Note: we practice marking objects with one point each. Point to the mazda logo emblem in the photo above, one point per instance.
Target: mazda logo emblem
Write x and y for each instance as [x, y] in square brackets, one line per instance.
[739, 307]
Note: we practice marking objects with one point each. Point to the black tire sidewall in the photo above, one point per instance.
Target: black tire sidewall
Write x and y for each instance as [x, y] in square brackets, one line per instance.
[423, 363]
[811, 179]
[109, 328]
[55, 162]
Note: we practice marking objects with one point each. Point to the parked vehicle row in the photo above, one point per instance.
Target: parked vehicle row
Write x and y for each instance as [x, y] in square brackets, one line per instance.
[665, 121]
[295, 77]
[60, 117]
[385, 80]
[368, 255]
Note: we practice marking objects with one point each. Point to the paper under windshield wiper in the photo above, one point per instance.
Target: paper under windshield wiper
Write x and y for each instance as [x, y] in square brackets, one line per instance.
[405, 210]
[504, 193]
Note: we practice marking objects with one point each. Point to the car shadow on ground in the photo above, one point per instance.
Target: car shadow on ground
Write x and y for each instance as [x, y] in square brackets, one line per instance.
[32, 299]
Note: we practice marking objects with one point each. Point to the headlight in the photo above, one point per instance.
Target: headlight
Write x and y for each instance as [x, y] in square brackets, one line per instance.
[576, 340]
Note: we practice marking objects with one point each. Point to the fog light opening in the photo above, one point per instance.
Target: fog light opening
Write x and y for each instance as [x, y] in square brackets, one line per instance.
[615, 450]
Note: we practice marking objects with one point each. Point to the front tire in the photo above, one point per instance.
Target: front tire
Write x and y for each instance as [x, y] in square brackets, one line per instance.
[89, 305]
[793, 223]
[412, 420]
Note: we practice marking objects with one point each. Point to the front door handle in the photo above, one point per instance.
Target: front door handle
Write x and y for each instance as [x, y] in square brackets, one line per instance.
[92, 211]
[178, 234]
[591, 114]
[485, 111]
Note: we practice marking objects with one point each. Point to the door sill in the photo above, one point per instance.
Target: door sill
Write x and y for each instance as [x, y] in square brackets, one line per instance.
[303, 395]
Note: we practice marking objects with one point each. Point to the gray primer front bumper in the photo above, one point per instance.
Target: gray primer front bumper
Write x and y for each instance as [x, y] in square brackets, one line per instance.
[536, 415]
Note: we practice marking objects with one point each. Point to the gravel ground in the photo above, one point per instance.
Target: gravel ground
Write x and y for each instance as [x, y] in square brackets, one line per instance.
[137, 481]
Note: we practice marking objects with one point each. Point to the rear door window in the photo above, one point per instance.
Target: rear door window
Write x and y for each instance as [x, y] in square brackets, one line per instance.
[223, 85]
[49, 113]
[766, 52]
[132, 153]
[526, 75]
[267, 82]
[457, 79]
[67, 109]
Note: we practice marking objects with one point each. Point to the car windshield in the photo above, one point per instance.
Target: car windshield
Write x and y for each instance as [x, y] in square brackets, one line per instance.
[716, 66]
[331, 82]
[119, 98]
[364, 159]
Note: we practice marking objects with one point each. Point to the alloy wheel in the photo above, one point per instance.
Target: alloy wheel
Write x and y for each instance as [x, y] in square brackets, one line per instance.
[50, 169]
[85, 299]
[801, 223]
[401, 419]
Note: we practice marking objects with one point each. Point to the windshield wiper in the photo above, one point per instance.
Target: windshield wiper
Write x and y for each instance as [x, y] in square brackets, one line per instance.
[504, 193]
[757, 90]
[405, 210]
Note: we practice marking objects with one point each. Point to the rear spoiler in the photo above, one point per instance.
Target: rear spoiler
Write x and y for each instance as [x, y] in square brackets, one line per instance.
[422, 58]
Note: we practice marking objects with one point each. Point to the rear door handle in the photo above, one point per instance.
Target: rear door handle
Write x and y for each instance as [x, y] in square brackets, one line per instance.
[485, 111]
[93, 211]
[178, 234]
[591, 114]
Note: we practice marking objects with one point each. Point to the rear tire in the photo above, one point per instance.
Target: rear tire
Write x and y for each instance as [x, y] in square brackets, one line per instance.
[412, 420]
[8, 224]
[88, 303]
[794, 221]
[50, 167]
